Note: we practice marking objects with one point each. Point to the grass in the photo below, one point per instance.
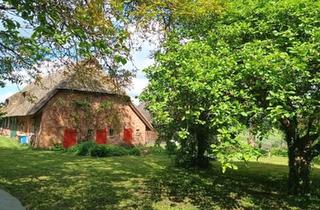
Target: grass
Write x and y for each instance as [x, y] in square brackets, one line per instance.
[6, 143]
[55, 180]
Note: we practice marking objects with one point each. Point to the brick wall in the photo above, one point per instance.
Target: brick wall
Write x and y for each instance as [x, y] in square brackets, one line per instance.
[59, 114]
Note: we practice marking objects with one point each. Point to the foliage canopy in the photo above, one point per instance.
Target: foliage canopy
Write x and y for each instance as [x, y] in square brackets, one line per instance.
[257, 61]
[33, 31]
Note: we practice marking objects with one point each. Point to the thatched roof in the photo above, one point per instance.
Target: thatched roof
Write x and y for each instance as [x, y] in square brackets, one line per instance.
[145, 120]
[142, 108]
[86, 76]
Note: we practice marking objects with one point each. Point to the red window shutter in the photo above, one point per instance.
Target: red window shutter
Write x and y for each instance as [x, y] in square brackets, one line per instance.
[70, 138]
[101, 136]
[128, 135]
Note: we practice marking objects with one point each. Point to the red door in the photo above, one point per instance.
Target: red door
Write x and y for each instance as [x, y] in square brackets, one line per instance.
[128, 135]
[101, 136]
[70, 138]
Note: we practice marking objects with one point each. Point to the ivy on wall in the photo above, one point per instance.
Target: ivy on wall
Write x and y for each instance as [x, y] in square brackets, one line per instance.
[87, 113]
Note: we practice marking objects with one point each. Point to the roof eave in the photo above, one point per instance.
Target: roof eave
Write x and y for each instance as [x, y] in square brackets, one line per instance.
[141, 116]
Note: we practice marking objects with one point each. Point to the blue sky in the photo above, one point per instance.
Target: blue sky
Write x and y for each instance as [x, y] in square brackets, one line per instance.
[141, 60]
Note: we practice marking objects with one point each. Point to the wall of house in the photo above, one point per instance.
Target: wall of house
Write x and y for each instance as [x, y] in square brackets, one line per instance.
[151, 137]
[5, 127]
[15, 126]
[131, 120]
[69, 110]
[24, 124]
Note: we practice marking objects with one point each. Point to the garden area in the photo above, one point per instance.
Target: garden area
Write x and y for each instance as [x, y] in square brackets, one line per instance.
[57, 180]
[231, 90]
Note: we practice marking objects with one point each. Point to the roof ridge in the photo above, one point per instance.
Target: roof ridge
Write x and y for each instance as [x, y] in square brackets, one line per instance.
[90, 79]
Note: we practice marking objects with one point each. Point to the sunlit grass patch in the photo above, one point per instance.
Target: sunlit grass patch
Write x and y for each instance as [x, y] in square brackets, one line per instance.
[56, 180]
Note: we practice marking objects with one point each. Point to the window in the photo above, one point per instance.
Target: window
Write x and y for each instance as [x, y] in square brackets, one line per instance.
[24, 94]
[138, 133]
[90, 134]
[111, 132]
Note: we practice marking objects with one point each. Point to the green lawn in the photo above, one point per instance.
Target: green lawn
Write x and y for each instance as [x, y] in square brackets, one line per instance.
[55, 180]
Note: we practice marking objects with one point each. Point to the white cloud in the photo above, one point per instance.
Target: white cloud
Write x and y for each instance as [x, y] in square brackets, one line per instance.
[143, 44]
[3, 97]
[138, 84]
[141, 59]
[138, 35]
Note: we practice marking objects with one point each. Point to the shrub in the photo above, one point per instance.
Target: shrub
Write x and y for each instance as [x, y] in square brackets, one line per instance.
[135, 151]
[157, 150]
[279, 152]
[113, 150]
[97, 150]
[84, 149]
[57, 147]
[171, 147]
[263, 152]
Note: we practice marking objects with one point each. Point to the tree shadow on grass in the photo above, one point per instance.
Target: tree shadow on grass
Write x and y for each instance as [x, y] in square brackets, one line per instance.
[49, 180]
[260, 186]
[53, 180]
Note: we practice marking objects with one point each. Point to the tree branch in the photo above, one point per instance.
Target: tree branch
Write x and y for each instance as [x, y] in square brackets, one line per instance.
[315, 151]
[4, 7]
[16, 54]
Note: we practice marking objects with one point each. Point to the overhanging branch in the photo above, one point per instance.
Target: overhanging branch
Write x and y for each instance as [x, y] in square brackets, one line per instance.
[4, 7]
[16, 54]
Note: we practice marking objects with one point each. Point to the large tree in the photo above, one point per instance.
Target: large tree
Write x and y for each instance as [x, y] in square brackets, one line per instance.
[258, 60]
[32, 31]
[277, 47]
[193, 97]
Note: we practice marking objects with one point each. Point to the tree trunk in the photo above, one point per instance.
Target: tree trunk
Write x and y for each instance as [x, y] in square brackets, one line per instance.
[202, 145]
[299, 168]
[293, 179]
[305, 172]
[251, 137]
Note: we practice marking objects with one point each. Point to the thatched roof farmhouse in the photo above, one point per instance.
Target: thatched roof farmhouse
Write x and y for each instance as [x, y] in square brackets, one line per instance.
[68, 107]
